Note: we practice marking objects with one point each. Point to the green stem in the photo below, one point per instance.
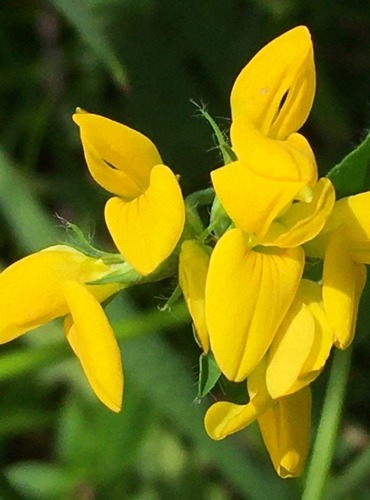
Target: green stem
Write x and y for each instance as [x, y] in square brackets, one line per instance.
[199, 198]
[325, 441]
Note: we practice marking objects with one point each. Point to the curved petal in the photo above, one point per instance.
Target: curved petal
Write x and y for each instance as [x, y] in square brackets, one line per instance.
[290, 349]
[343, 282]
[251, 200]
[247, 296]
[303, 221]
[352, 214]
[119, 158]
[223, 418]
[310, 293]
[276, 88]
[146, 229]
[289, 160]
[93, 341]
[31, 288]
[301, 368]
[285, 430]
[193, 268]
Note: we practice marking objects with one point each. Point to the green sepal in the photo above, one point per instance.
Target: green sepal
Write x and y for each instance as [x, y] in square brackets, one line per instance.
[123, 275]
[223, 145]
[219, 221]
[175, 295]
[352, 174]
[209, 373]
[78, 241]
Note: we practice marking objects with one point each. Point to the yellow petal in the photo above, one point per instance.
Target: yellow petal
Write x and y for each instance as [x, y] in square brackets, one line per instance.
[290, 349]
[93, 341]
[223, 418]
[343, 282]
[193, 268]
[119, 158]
[352, 214]
[289, 160]
[276, 88]
[146, 229]
[310, 293]
[31, 288]
[251, 200]
[303, 221]
[247, 296]
[285, 429]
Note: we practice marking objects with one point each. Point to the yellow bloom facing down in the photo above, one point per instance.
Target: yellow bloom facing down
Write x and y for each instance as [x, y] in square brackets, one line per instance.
[50, 284]
[284, 423]
[147, 216]
[270, 101]
[248, 293]
[193, 268]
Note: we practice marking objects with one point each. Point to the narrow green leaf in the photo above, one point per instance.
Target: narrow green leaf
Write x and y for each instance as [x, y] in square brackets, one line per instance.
[209, 373]
[82, 17]
[31, 227]
[352, 174]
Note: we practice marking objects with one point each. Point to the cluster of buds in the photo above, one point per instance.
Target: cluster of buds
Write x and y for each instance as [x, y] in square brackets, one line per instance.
[246, 278]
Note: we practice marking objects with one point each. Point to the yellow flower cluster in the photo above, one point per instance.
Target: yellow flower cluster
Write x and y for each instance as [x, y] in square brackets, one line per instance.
[265, 323]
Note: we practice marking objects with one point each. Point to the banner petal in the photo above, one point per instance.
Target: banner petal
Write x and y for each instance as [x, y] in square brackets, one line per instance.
[119, 158]
[147, 229]
[276, 88]
[247, 296]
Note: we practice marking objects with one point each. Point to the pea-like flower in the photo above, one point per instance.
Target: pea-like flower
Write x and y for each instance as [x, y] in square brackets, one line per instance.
[54, 283]
[146, 217]
[286, 442]
[272, 196]
[270, 100]
[344, 244]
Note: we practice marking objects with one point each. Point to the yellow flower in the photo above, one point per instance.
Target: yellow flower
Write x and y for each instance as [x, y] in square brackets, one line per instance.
[270, 101]
[248, 293]
[272, 196]
[345, 244]
[193, 268]
[147, 215]
[52, 283]
[302, 344]
[284, 423]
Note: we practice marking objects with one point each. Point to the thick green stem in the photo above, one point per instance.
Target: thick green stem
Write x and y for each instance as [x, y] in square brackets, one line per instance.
[325, 441]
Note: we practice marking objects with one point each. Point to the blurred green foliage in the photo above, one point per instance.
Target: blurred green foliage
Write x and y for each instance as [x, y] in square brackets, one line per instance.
[141, 62]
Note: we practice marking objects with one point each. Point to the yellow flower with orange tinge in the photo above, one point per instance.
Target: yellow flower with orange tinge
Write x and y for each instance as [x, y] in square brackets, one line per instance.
[53, 283]
[272, 196]
[147, 215]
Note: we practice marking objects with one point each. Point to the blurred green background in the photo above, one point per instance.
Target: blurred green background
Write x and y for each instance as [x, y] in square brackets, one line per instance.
[140, 62]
